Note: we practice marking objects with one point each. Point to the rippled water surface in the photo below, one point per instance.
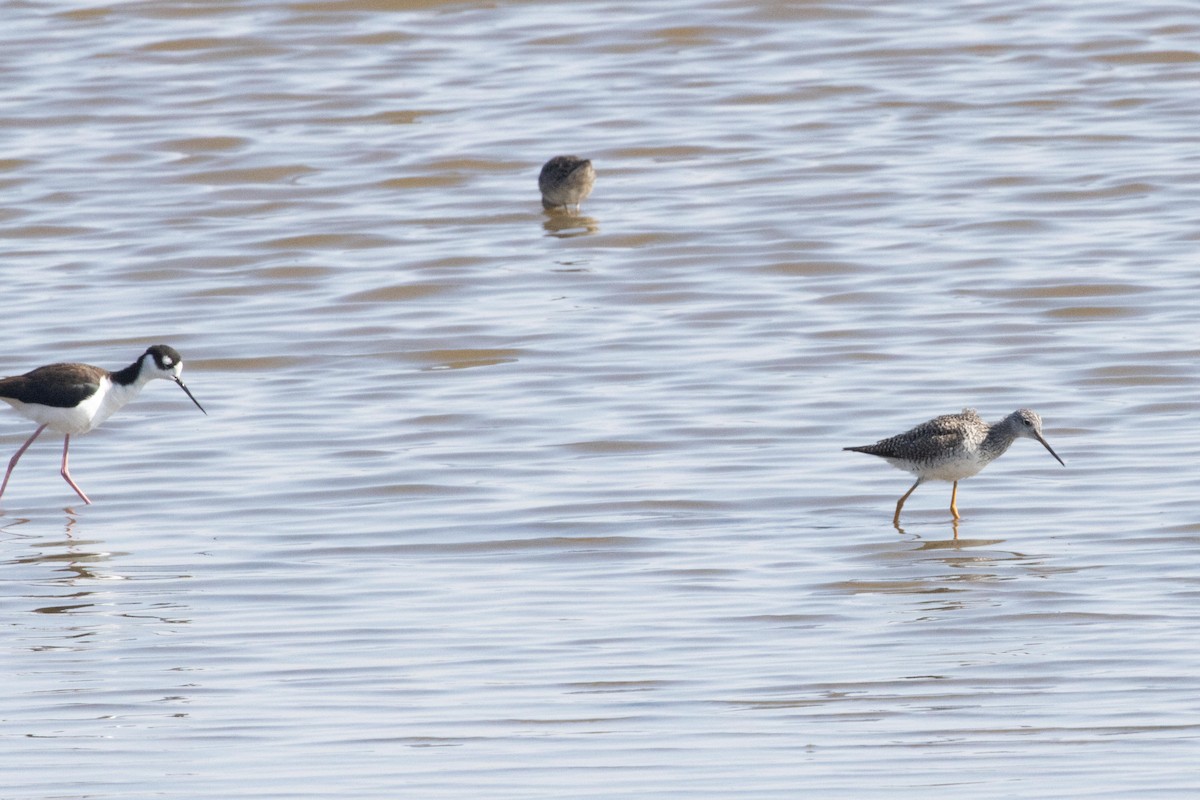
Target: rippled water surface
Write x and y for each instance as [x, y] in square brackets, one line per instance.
[496, 503]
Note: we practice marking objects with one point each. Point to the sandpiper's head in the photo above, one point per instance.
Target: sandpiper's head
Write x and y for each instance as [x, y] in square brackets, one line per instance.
[1027, 423]
[162, 361]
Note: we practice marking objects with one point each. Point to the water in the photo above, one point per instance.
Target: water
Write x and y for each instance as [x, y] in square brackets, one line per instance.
[491, 503]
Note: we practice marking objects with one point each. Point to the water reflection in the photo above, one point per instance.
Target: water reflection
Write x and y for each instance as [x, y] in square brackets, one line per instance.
[938, 566]
[563, 225]
[73, 578]
[77, 558]
[900, 529]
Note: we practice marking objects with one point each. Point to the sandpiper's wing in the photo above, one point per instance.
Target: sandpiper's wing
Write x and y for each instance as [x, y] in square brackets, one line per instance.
[556, 171]
[938, 435]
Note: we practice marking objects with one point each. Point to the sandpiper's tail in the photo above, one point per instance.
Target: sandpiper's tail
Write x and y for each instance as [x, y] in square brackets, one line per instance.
[870, 449]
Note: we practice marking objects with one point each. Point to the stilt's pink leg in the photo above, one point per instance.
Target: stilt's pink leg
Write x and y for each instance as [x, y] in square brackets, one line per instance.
[66, 473]
[17, 457]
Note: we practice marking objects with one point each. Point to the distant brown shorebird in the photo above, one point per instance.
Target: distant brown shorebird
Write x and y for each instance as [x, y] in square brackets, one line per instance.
[565, 181]
[953, 447]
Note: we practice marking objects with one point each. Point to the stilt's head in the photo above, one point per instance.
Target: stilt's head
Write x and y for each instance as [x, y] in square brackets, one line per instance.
[1028, 424]
[161, 361]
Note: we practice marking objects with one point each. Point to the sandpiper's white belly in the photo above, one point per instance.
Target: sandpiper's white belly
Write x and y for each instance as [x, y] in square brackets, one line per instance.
[955, 467]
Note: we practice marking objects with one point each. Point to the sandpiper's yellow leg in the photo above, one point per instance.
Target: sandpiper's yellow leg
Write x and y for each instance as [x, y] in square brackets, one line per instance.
[900, 504]
[953, 497]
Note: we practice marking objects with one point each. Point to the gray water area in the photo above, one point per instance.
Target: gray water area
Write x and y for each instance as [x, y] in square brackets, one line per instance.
[496, 503]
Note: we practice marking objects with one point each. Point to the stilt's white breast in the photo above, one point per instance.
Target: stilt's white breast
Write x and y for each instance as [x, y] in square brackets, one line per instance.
[82, 418]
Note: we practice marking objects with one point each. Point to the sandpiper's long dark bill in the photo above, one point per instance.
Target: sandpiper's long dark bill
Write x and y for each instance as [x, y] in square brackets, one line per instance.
[73, 399]
[566, 181]
[953, 447]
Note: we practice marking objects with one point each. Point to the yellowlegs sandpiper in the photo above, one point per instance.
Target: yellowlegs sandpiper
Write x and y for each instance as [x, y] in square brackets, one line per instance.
[75, 398]
[953, 447]
[565, 181]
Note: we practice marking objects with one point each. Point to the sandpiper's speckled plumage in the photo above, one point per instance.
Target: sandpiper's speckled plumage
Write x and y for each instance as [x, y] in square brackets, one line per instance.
[953, 447]
[565, 181]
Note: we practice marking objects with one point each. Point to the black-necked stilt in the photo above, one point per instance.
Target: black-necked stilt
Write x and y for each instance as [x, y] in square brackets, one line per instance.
[75, 398]
[953, 447]
[565, 181]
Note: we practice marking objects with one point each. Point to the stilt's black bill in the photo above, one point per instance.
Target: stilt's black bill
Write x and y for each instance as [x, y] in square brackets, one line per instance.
[186, 391]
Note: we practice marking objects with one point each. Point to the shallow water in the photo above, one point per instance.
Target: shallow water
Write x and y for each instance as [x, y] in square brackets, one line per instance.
[497, 503]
